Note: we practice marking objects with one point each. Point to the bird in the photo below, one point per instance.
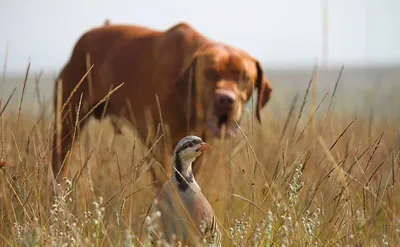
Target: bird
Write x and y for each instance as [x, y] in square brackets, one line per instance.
[185, 214]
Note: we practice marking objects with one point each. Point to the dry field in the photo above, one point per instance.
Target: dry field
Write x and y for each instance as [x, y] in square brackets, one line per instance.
[321, 170]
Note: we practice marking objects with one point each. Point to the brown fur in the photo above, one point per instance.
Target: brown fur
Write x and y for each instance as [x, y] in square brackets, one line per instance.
[163, 63]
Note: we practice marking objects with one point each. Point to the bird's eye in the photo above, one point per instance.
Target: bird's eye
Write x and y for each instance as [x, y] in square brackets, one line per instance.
[190, 144]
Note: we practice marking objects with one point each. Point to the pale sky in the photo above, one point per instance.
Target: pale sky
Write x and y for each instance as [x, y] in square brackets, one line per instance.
[278, 32]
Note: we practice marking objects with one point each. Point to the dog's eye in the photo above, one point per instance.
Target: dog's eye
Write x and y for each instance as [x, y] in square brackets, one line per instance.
[211, 75]
[245, 78]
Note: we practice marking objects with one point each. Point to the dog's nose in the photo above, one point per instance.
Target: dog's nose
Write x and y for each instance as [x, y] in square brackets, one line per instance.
[225, 100]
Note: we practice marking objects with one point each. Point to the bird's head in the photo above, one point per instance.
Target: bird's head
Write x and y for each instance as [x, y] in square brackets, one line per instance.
[190, 147]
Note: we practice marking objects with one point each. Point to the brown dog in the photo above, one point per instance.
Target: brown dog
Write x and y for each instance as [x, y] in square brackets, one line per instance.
[201, 85]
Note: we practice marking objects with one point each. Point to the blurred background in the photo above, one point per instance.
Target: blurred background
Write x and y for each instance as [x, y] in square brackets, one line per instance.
[289, 37]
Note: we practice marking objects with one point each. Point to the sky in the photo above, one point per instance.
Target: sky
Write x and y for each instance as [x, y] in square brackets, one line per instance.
[280, 33]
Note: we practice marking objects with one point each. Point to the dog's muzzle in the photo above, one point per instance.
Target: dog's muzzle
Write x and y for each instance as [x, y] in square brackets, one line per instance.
[224, 104]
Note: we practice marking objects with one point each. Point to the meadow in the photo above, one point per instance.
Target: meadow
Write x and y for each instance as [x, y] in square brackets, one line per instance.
[321, 170]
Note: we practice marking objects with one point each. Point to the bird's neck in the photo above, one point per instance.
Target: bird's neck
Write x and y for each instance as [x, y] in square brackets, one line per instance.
[183, 173]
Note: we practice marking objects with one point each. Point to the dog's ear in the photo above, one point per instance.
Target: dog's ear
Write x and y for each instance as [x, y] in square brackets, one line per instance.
[264, 90]
[185, 89]
[186, 82]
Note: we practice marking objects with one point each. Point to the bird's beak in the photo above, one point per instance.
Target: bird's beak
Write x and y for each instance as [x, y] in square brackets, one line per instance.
[204, 146]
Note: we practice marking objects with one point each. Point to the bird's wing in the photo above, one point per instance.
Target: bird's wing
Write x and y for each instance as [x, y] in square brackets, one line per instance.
[175, 217]
[203, 214]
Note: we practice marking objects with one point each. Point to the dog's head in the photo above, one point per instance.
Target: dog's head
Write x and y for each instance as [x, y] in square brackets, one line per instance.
[222, 79]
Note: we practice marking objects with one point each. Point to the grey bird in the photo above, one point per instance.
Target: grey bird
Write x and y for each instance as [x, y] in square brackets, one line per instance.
[186, 215]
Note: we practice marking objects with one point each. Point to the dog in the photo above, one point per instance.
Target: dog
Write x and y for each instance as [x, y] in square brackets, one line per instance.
[199, 85]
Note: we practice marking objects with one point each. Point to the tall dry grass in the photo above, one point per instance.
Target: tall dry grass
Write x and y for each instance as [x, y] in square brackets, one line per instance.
[311, 175]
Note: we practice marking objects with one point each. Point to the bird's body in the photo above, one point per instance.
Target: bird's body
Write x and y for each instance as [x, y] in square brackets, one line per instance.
[185, 212]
